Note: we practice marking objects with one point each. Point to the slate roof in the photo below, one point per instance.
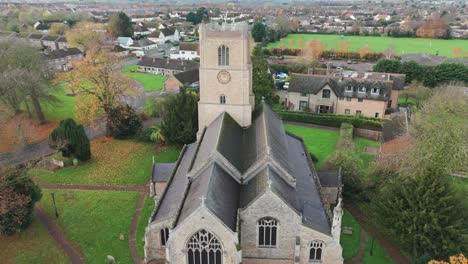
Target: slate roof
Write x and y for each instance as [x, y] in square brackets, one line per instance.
[141, 28]
[312, 84]
[329, 178]
[188, 77]
[168, 31]
[61, 53]
[50, 38]
[162, 171]
[211, 182]
[142, 43]
[178, 65]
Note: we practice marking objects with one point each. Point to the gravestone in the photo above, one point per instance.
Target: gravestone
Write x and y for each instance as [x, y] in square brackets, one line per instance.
[347, 230]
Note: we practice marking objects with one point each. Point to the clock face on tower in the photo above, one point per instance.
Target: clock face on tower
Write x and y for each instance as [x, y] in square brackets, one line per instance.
[224, 77]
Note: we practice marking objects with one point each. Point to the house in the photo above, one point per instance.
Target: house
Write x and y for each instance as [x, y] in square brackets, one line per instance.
[142, 46]
[62, 59]
[181, 79]
[187, 51]
[165, 34]
[382, 16]
[245, 191]
[141, 30]
[347, 92]
[124, 42]
[165, 66]
[119, 51]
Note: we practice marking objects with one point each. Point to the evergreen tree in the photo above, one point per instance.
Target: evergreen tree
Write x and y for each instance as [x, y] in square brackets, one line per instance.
[424, 215]
[259, 32]
[120, 25]
[179, 114]
[71, 140]
[387, 65]
[262, 79]
[123, 122]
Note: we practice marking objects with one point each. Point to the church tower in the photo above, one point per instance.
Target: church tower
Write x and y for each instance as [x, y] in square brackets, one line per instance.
[225, 73]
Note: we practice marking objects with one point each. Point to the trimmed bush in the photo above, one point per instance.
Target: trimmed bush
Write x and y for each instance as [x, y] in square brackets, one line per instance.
[123, 122]
[71, 140]
[332, 120]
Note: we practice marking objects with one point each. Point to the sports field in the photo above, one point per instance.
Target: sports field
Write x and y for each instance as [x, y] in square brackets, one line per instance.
[379, 44]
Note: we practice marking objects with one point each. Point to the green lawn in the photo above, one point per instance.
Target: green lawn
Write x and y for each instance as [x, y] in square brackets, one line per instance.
[320, 142]
[113, 162]
[94, 220]
[33, 245]
[146, 211]
[379, 44]
[63, 109]
[350, 243]
[151, 82]
[361, 144]
[379, 256]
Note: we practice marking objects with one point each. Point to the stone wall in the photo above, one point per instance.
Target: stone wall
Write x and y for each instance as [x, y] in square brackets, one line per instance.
[366, 133]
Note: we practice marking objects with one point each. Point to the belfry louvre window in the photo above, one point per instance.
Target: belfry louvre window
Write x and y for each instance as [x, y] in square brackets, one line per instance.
[223, 55]
[315, 253]
[267, 232]
[164, 233]
[204, 248]
[222, 99]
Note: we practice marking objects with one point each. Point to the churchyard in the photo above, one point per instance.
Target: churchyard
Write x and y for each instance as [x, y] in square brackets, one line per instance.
[376, 44]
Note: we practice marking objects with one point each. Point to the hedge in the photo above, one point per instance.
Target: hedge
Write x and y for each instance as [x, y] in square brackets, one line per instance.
[351, 55]
[332, 120]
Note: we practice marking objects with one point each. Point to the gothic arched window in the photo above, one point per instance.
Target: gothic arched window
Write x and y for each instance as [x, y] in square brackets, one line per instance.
[223, 55]
[222, 99]
[316, 248]
[204, 248]
[164, 233]
[267, 232]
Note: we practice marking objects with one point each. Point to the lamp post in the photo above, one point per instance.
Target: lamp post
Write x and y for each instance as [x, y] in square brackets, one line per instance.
[55, 207]
[372, 246]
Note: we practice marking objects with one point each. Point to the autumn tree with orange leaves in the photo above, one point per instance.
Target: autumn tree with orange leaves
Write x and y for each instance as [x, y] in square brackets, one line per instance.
[433, 28]
[343, 46]
[458, 259]
[364, 50]
[312, 51]
[99, 85]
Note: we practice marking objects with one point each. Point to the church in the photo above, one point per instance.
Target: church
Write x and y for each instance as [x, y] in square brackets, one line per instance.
[246, 191]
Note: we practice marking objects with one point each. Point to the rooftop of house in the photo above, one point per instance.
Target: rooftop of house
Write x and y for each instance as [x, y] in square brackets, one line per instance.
[178, 65]
[61, 53]
[193, 46]
[188, 77]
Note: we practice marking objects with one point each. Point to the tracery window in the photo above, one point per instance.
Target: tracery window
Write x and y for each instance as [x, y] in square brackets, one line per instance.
[204, 248]
[267, 232]
[316, 248]
[223, 55]
[164, 233]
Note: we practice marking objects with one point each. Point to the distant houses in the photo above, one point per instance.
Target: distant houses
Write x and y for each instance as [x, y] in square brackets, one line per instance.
[165, 67]
[62, 59]
[51, 42]
[187, 51]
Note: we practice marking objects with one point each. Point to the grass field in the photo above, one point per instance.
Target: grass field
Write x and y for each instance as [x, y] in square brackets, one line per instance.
[113, 162]
[379, 44]
[33, 245]
[64, 109]
[322, 143]
[151, 82]
[379, 256]
[350, 243]
[94, 220]
[146, 211]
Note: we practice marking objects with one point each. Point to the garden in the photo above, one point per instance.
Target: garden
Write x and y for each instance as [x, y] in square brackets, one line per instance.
[97, 222]
[377, 44]
[150, 82]
[113, 162]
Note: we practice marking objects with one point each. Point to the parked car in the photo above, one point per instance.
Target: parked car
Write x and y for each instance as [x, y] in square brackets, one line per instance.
[173, 49]
[286, 86]
[282, 75]
[322, 59]
[349, 61]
